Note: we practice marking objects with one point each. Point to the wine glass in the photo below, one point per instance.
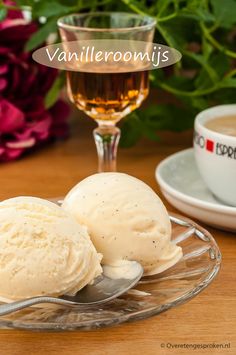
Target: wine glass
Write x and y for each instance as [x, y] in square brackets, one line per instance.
[107, 97]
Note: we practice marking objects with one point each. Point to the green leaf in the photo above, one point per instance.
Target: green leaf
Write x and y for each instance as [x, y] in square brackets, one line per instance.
[225, 12]
[70, 2]
[167, 117]
[197, 10]
[196, 103]
[54, 91]
[209, 69]
[155, 75]
[41, 35]
[49, 9]
[218, 63]
[3, 13]
[131, 130]
[150, 133]
[228, 83]
[30, 3]
[178, 31]
[180, 82]
[135, 5]
[162, 7]
[225, 96]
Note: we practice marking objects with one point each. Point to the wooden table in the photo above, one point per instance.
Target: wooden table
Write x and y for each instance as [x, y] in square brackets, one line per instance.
[208, 318]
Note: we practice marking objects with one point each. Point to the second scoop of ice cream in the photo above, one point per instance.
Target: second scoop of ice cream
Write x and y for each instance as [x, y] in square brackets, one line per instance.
[43, 250]
[126, 220]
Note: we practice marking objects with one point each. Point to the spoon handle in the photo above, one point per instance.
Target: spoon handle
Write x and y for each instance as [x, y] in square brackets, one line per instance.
[18, 305]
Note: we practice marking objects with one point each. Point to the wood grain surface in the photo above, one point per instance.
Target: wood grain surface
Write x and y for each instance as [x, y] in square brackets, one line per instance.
[208, 318]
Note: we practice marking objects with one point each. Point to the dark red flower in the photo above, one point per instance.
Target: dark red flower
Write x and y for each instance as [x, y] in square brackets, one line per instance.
[24, 120]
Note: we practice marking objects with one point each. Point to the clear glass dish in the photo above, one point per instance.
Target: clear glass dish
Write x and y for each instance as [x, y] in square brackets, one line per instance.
[153, 295]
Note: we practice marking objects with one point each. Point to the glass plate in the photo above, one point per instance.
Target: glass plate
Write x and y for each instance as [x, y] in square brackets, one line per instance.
[153, 295]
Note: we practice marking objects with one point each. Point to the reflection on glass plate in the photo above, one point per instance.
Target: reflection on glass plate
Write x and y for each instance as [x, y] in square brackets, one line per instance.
[154, 294]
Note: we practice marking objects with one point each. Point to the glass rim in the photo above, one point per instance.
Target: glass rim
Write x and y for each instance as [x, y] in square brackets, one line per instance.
[61, 24]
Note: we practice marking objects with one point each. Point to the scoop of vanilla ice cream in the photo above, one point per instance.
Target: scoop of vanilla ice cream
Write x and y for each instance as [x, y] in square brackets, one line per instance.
[43, 250]
[126, 220]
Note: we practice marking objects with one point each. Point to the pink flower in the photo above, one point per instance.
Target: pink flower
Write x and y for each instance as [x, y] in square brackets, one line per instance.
[11, 118]
[24, 120]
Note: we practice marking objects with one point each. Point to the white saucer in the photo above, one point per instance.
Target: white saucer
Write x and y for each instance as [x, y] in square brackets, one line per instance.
[184, 188]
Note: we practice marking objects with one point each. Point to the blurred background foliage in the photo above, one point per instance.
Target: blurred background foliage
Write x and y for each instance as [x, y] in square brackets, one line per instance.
[204, 31]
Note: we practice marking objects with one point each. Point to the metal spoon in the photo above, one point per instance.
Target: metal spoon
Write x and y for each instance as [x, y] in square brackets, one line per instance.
[102, 290]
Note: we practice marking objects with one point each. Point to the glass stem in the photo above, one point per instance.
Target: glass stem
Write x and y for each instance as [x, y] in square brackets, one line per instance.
[107, 139]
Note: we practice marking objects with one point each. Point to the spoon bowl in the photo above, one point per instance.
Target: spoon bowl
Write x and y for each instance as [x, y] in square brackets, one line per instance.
[103, 289]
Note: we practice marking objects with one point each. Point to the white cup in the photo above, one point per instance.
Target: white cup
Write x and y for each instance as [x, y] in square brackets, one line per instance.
[215, 154]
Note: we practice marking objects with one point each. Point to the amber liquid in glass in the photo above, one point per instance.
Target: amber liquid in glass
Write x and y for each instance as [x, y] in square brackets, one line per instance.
[107, 96]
